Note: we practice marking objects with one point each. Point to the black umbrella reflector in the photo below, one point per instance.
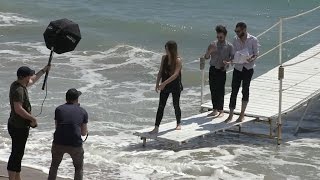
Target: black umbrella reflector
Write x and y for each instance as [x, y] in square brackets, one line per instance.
[63, 35]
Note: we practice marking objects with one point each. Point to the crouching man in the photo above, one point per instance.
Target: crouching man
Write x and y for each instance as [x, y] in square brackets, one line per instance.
[71, 122]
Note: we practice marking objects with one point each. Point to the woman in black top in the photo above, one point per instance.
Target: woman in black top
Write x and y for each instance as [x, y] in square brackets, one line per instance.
[170, 76]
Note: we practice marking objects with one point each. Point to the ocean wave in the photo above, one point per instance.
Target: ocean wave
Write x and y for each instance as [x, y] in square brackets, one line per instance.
[13, 19]
[117, 85]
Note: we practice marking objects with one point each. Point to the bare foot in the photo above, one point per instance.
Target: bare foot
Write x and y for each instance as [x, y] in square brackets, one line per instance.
[154, 131]
[221, 114]
[178, 127]
[213, 113]
[240, 119]
[229, 118]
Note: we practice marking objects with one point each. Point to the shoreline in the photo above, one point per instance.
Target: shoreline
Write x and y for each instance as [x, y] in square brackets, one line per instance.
[27, 173]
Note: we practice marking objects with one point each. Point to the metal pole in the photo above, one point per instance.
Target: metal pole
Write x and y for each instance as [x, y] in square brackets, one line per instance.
[280, 77]
[302, 117]
[202, 65]
[47, 73]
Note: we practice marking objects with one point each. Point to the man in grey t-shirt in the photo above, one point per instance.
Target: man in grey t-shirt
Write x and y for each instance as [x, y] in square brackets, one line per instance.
[220, 52]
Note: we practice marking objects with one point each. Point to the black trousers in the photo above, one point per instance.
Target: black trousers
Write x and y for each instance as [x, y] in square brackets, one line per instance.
[162, 104]
[217, 81]
[19, 138]
[245, 77]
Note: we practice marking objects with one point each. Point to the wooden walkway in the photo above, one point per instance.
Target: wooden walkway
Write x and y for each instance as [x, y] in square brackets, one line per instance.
[192, 127]
[301, 82]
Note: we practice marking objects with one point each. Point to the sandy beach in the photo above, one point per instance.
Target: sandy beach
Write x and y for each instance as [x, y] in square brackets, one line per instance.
[27, 173]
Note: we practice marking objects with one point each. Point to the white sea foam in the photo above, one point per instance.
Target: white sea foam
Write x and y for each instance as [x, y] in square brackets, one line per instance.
[13, 19]
[112, 152]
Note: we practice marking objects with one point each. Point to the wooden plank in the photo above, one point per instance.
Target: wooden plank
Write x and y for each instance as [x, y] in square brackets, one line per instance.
[192, 127]
[300, 90]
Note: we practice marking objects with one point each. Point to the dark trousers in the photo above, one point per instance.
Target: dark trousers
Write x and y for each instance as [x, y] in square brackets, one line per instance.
[245, 77]
[162, 104]
[77, 155]
[217, 81]
[19, 138]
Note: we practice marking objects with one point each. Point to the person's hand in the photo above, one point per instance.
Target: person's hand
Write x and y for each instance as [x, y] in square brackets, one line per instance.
[46, 68]
[225, 62]
[212, 48]
[157, 88]
[252, 58]
[162, 86]
[34, 123]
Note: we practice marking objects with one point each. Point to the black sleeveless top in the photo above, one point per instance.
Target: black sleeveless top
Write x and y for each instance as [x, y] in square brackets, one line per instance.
[173, 86]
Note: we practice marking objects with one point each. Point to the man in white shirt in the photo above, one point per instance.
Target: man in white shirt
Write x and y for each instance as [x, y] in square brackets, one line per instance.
[243, 72]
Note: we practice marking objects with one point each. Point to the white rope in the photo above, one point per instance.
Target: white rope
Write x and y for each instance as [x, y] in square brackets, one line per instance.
[301, 14]
[292, 64]
[276, 24]
[267, 52]
[287, 41]
[301, 35]
[287, 18]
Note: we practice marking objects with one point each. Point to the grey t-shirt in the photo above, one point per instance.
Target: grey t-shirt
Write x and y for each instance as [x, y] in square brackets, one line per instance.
[69, 119]
[223, 52]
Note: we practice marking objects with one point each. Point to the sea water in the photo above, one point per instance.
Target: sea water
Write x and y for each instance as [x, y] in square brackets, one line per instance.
[115, 66]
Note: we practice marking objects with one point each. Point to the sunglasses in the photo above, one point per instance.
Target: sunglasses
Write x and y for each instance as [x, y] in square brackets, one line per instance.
[220, 37]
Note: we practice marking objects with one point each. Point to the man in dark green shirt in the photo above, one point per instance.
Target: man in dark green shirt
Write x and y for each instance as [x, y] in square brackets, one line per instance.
[20, 117]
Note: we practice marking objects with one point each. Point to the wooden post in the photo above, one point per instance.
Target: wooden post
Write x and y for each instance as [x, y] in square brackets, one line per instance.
[280, 77]
[270, 124]
[144, 141]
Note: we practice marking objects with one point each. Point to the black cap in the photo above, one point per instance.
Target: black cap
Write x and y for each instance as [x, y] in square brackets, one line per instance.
[72, 94]
[25, 71]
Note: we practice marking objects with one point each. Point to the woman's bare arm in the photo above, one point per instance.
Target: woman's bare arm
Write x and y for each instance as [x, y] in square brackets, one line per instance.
[159, 76]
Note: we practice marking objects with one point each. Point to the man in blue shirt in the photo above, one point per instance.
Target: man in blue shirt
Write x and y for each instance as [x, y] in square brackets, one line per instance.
[71, 122]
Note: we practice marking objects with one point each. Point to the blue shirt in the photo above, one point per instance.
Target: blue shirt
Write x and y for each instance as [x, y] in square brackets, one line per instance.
[69, 118]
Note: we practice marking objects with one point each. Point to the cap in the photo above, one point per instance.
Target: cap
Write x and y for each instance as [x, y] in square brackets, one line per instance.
[25, 71]
[72, 94]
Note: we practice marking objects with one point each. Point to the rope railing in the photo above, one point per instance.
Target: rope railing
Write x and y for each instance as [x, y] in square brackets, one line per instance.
[287, 41]
[287, 18]
[267, 30]
[301, 14]
[292, 64]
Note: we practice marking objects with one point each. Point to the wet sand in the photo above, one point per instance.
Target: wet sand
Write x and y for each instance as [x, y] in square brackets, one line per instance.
[26, 173]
